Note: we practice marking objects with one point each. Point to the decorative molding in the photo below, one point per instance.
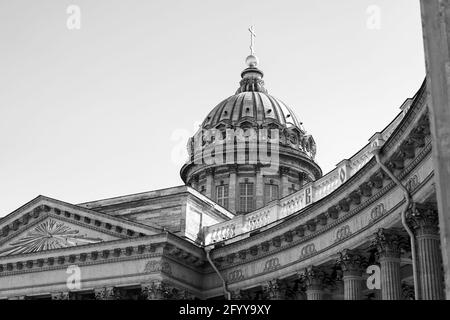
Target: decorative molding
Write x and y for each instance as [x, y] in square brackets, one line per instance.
[378, 211]
[375, 197]
[423, 218]
[272, 264]
[307, 251]
[154, 266]
[235, 276]
[388, 243]
[343, 233]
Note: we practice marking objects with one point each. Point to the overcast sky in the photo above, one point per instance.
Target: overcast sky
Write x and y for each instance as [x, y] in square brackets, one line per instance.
[105, 110]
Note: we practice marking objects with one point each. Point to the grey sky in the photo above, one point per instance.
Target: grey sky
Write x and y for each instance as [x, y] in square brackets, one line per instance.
[99, 112]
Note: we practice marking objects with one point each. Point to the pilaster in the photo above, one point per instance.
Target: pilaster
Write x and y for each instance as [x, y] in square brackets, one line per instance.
[284, 185]
[209, 192]
[259, 188]
[232, 198]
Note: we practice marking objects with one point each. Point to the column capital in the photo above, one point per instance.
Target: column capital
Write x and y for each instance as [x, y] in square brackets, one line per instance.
[60, 296]
[423, 218]
[352, 262]
[107, 293]
[312, 278]
[161, 290]
[237, 295]
[273, 289]
[155, 290]
[389, 243]
[184, 295]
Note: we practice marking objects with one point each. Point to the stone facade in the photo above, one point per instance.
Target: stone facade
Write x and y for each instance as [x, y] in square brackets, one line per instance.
[337, 236]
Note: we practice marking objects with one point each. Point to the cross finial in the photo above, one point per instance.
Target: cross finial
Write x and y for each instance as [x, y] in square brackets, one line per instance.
[252, 40]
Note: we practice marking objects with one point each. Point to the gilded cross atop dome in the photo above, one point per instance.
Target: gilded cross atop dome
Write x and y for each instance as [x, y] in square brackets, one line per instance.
[252, 40]
[252, 60]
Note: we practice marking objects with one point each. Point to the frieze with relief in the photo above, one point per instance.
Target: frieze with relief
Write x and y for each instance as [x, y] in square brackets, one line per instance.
[154, 266]
[378, 211]
[236, 275]
[307, 250]
[343, 233]
[412, 183]
[272, 264]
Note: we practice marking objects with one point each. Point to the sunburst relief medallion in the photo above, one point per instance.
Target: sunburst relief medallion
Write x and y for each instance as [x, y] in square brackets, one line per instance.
[48, 235]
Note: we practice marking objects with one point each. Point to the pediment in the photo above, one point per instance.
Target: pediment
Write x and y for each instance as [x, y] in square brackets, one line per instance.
[48, 224]
[50, 233]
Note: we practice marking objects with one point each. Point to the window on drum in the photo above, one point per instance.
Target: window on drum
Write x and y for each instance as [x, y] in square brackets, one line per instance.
[222, 195]
[246, 197]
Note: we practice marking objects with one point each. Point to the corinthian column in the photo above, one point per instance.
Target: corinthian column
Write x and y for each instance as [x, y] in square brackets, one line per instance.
[312, 280]
[352, 264]
[423, 219]
[388, 244]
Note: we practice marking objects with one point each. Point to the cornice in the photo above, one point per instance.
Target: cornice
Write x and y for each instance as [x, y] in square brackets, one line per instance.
[289, 223]
[105, 252]
[346, 187]
[18, 220]
[310, 257]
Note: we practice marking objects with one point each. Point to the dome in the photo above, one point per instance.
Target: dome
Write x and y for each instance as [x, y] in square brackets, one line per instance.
[251, 149]
[252, 106]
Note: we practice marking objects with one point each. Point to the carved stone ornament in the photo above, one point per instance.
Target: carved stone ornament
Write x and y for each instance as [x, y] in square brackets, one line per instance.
[273, 290]
[389, 243]
[158, 290]
[108, 293]
[351, 261]
[312, 277]
[60, 296]
[423, 218]
[48, 235]
[154, 266]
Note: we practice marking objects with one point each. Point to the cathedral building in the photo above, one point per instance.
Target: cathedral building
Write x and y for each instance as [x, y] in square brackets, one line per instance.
[256, 219]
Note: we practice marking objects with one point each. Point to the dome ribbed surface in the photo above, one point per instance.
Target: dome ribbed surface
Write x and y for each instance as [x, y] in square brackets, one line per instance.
[256, 107]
